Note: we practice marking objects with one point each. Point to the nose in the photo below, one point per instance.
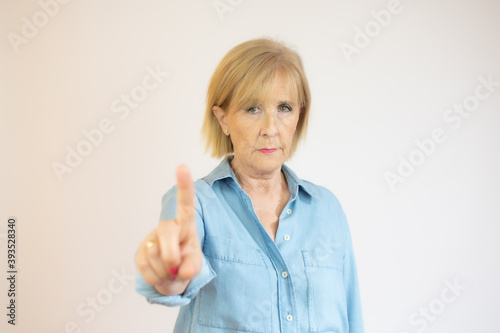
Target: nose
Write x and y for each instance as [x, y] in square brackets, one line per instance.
[269, 124]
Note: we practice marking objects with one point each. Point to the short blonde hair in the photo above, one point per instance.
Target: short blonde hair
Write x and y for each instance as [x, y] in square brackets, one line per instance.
[242, 79]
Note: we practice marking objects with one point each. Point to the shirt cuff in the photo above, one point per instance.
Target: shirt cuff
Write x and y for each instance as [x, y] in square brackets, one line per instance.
[205, 276]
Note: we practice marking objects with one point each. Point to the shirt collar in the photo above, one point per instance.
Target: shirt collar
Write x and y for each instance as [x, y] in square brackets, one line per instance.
[223, 170]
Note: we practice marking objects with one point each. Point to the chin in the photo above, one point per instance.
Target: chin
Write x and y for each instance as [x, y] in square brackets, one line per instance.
[269, 164]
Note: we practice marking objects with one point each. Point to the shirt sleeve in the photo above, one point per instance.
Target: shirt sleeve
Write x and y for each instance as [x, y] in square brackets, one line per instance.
[353, 299]
[168, 211]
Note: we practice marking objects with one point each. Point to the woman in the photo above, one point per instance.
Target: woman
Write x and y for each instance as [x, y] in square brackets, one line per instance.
[251, 247]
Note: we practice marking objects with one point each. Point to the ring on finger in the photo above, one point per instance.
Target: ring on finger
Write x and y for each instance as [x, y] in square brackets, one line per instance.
[151, 243]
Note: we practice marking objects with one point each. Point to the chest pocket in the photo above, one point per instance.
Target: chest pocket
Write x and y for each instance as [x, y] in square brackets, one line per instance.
[239, 298]
[326, 300]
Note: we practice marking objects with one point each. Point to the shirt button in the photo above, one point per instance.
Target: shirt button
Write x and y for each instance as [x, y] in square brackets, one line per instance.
[289, 211]
[287, 237]
[289, 318]
[284, 274]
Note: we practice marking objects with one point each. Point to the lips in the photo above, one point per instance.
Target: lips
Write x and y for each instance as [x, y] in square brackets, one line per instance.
[267, 150]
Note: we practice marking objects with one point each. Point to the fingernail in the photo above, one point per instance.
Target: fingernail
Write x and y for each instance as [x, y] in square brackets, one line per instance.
[172, 279]
[173, 270]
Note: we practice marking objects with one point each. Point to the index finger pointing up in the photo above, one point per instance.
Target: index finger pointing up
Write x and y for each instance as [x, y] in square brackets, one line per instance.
[185, 195]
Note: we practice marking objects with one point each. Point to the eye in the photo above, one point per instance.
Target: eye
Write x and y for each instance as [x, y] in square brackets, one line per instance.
[252, 109]
[285, 107]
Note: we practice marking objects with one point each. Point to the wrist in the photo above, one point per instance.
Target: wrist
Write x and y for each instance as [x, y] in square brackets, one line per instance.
[171, 287]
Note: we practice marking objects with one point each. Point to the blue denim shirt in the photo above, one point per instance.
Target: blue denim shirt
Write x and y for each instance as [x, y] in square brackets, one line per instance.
[304, 281]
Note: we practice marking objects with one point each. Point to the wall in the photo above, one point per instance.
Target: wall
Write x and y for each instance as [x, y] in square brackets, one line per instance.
[404, 130]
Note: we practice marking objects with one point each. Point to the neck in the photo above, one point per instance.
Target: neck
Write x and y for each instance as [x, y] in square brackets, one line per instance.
[252, 180]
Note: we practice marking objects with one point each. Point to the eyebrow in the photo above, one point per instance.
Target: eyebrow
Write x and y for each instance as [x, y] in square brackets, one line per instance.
[259, 104]
[286, 102]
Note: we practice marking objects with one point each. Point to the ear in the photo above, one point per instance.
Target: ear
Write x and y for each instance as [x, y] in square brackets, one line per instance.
[220, 114]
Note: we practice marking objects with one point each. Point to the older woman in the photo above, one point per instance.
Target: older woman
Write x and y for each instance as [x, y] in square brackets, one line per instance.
[251, 247]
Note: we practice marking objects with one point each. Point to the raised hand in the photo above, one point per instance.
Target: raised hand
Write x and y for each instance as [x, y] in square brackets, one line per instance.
[170, 256]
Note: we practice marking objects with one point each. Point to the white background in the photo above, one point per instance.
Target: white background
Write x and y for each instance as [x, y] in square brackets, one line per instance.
[440, 224]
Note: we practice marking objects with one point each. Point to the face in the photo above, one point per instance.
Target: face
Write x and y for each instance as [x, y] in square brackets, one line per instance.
[262, 134]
